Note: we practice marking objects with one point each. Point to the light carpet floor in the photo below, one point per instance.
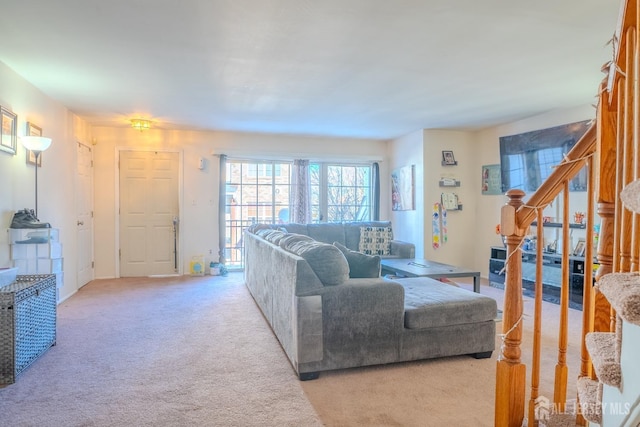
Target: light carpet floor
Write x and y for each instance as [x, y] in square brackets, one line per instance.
[196, 351]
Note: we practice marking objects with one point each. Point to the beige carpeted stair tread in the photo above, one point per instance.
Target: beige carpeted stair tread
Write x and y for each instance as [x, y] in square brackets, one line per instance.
[623, 292]
[590, 395]
[560, 420]
[602, 348]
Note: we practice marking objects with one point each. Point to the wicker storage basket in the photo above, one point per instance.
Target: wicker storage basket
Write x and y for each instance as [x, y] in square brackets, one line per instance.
[27, 323]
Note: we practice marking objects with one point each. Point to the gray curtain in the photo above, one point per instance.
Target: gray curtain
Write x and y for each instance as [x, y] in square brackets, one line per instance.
[300, 199]
[222, 208]
[375, 192]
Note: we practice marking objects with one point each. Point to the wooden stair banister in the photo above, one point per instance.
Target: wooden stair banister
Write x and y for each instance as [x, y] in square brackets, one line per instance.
[611, 149]
[516, 217]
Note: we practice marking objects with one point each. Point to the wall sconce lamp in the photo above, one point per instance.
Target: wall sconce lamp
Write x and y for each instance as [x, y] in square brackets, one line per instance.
[140, 124]
[37, 144]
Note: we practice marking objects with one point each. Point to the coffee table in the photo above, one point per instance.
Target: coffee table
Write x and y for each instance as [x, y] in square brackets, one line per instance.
[414, 267]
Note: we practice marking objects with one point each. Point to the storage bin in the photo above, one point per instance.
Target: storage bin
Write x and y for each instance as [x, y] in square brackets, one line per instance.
[36, 250]
[38, 265]
[33, 235]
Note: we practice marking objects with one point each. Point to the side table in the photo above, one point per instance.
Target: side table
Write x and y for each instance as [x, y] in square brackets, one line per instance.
[28, 311]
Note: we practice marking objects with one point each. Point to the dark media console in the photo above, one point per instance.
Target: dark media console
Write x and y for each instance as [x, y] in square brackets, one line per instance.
[551, 275]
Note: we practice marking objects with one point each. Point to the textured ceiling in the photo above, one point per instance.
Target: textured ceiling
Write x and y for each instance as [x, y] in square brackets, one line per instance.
[357, 68]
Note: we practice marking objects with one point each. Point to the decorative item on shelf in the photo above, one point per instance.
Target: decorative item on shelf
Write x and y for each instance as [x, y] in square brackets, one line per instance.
[499, 232]
[450, 201]
[578, 217]
[37, 144]
[580, 248]
[448, 159]
[141, 124]
[449, 182]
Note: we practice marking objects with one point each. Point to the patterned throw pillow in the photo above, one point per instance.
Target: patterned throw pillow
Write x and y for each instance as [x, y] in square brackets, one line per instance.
[375, 240]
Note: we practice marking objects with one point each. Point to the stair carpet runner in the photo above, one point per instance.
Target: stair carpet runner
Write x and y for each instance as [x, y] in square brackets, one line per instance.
[622, 290]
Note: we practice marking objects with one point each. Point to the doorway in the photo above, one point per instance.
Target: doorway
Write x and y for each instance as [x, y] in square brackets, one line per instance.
[148, 213]
[84, 214]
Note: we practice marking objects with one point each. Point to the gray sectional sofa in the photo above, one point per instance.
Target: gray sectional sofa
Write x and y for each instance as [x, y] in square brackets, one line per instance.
[326, 318]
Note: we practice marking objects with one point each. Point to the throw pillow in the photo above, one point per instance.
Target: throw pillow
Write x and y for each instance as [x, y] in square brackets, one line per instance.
[360, 265]
[375, 240]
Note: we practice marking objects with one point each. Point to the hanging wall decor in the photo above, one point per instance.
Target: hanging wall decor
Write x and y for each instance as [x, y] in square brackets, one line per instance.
[8, 131]
[402, 189]
[491, 180]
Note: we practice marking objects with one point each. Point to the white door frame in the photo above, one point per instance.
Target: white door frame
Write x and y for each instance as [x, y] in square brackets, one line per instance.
[117, 200]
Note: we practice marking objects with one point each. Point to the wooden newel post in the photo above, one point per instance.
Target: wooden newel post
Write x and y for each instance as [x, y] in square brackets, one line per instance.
[510, 373]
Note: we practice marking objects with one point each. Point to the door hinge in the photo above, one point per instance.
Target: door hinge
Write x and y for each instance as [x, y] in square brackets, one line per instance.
[93, 264]
[120, 253]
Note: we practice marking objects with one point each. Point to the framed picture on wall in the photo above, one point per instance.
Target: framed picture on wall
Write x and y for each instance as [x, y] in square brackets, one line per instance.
[33, 130]
[448, 159]
[8, 134]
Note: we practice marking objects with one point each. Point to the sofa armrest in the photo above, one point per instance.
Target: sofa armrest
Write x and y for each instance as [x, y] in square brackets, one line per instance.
[403, 249]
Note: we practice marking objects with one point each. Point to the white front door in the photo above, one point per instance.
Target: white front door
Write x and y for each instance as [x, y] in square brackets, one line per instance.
[148, 206]
[84, 214]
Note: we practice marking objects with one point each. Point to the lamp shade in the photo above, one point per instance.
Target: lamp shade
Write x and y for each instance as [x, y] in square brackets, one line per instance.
[36, 143]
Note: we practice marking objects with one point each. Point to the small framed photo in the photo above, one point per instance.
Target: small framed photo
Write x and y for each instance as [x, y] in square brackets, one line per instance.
[33, 130]
[448, 159]
[580, 248]
[8, 134]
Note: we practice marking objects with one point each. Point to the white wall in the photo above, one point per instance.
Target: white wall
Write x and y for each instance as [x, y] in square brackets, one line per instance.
[409, 225]
[199, 212]
[56, 178]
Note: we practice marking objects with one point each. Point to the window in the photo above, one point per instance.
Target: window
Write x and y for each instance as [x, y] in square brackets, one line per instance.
[340, 193]
[256, 192]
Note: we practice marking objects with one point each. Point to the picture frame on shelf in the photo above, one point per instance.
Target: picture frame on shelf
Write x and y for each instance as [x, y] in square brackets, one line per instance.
[580, 248]
[33, 130]
[448, 158]
[8, 131]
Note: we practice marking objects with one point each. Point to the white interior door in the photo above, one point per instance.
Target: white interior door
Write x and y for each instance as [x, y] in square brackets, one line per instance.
[148, 205]
[84, 214]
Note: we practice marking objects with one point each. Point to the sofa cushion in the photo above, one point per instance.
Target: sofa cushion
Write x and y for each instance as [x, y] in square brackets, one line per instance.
[429, 303]
[325, 260]
[274, 236]
[326, 232]
[291, 238]
[360, 265]
[254, 228]
[375, 240]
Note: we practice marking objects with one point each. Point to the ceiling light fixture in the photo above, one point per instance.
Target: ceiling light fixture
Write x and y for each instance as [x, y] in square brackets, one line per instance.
[140, 124]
